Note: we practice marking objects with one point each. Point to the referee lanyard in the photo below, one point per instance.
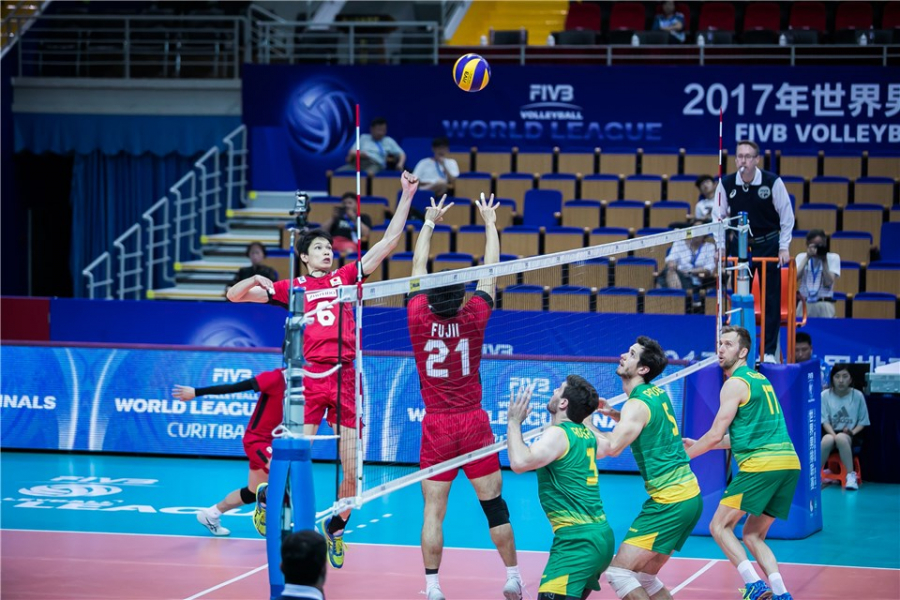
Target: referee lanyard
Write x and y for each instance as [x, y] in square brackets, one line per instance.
[440, 171]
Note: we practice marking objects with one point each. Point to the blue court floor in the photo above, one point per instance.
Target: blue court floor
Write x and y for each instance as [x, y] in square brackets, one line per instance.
[142, 495]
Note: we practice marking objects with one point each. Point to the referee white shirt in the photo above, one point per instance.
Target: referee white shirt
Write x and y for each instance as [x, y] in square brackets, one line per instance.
[429, 170]
[780, 199]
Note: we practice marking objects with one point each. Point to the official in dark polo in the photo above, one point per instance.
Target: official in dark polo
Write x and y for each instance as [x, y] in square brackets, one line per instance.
[764, 198]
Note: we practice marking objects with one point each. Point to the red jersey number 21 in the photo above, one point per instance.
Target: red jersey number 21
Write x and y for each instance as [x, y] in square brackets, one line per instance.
[438, 352]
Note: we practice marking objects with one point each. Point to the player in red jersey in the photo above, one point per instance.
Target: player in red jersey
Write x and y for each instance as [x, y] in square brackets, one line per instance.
[257, 441]
[324, 346]
[447, 338]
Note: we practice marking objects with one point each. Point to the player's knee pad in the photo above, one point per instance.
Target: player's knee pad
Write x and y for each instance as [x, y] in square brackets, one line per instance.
[650, 583]
[496, 511]
[247, 497]
[622, 581]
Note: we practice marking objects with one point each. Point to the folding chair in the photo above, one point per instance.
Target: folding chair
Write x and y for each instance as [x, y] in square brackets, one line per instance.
[617, 300]
[600, 187]
[842, 164]
[635, 272]
[864, 217]
[493, 160]
[874, 305]
[562, 182]
[817, 216]
[660, 162]
[559, 239]
[573, 160]
[830, 190]
[522, 297]
[854, 246]
[541, 207]
[473, 184]
[803, 164]
[625, 213]
[883, 277]
[662, 214]
[618, 162]
[608, 235]
[665, 302]
[883, 164]
[521, 240]
[514, 185]
[644, 188]
[593, 273]
[581, 213]
[682, 188]
[534, 160]
[570, 298]
[874, 190]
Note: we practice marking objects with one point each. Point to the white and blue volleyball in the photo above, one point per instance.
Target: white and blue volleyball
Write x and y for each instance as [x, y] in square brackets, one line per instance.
[471, 73]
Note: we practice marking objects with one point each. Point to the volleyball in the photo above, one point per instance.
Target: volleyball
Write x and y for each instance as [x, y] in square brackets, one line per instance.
[471, 73]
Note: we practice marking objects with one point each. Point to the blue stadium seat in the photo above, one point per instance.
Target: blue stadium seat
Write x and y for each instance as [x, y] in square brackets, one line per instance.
[665, 302]
[890, 241]
[874, 305]
[581, 213]
[874, 190]
[523, 297]
[617, 300]
[570, 298]
[541, 207]
[883, 276]
[818, 216]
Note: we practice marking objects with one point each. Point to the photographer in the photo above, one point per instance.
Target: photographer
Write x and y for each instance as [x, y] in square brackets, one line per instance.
[817, 270]
[342, 224]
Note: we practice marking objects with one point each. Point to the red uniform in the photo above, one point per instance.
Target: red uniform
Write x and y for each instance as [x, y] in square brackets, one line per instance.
[321, 340]
[265, 418]
[448, 359]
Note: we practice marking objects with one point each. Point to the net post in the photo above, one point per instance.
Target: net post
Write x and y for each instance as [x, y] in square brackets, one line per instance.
[290, 470]
[742, 300]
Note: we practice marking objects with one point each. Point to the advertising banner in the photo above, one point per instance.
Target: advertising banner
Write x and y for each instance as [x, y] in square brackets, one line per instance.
[302, 118]
[119, 400]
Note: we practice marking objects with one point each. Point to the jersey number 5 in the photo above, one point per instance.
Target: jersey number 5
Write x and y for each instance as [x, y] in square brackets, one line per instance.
[438, 352]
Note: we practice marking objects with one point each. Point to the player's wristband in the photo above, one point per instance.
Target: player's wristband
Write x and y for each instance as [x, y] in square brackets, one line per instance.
[428, 224]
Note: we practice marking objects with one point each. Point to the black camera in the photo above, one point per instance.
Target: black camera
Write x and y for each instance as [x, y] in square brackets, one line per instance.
[821, 251]
[300, 211]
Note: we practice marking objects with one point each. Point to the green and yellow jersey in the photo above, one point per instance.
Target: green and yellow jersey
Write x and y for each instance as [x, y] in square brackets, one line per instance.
[568, 487]
[659, 451]
[759, 436]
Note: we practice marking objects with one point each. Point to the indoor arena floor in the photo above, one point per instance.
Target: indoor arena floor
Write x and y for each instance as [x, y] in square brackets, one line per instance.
[112, 527]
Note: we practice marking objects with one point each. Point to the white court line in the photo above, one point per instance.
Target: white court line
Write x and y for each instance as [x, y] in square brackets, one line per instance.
[229, 582]
[684, 583]
[261, 540]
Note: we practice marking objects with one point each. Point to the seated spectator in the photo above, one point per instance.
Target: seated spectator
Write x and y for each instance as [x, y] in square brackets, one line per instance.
[303, 564]
[342, 225]
[844, 416]
[817, 270]
[670, 21]
[690, 265]
[707, 201]
[803, 350]
[437, 174]
[377, 151]
[256, 252]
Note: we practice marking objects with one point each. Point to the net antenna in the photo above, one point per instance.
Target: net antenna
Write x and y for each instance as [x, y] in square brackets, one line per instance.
[394, 405]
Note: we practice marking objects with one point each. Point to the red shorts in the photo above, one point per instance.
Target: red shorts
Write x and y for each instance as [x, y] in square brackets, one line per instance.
[259, 451]
[321, 395]
[446, 436]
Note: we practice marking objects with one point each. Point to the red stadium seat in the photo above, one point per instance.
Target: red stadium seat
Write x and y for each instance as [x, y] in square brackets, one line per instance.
[717, 16]
[762, 15]
[891, 17]
[853, 15]
[583, 15]
[808, 15]
[627, 15]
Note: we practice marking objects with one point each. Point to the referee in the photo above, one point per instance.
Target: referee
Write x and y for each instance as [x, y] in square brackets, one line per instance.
[764, 198]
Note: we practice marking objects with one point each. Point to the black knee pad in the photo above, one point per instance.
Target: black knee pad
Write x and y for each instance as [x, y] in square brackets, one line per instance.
[247, 497]
[496, 511]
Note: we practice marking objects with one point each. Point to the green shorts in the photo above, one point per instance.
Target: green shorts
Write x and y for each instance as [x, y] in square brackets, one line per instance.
[768, 492]
[664, 528]
[579, 554]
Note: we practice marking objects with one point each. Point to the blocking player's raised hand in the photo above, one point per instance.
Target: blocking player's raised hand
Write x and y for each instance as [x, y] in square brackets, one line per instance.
[435, 212]
[519, 405]
[488, 209]
[183, 392]
[409, 183]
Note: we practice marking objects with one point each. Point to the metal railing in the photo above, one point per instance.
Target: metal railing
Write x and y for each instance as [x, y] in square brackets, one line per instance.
[145, 255]
[132, 46]
[130, 266]
[107, 280]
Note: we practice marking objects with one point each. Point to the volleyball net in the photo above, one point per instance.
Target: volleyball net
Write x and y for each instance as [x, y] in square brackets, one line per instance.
[572, 311]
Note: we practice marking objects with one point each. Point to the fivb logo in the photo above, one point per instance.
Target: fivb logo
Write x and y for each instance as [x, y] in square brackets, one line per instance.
[228, 375]
[542, 92]
[75, 486]
[541, 385]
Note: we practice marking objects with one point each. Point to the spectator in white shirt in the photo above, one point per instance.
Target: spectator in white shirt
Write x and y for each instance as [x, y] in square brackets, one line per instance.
[377, 151]
[437, 174]
[690, 264]
[844, 416]
[817, 271]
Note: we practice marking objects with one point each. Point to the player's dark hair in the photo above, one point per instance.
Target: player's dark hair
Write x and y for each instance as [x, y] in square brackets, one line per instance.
[378, 121]
[440, 142]
[348, 195]
[837, 368]
[750, 143]
[582, 396]
[816, 233]
[803, 338]
[743, 335]
[446, 301]
[652, 356]
[258, 245]
[308, 237]
[303, 558]
[703, 178]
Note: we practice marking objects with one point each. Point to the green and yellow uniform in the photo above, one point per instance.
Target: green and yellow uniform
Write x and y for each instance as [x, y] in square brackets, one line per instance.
[674, 507]
[569, 492]
[769, 466]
